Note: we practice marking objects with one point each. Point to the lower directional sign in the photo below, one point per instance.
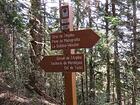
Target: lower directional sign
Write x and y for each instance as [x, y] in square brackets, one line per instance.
[61, 63]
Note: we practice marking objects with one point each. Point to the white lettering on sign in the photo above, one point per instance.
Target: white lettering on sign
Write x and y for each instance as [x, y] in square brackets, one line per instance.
[64, 21]
[66, 45]
[56, 63]
[72, 62]
[71, 40]
[64, 41]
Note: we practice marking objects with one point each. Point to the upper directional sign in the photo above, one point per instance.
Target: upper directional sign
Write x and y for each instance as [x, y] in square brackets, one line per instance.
[74, 39]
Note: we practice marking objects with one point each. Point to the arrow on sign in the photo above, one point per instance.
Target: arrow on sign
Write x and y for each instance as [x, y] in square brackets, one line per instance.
[61, 63]
[74, 39]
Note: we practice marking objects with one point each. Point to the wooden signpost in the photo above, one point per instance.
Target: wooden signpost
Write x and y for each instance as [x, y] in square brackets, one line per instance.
[69, 63]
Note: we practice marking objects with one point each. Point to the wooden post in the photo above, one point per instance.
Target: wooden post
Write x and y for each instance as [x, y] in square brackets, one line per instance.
[69, 77]
[70, 88]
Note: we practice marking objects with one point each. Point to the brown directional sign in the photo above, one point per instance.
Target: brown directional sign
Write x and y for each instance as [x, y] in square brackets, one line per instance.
[74, 39]
[63, 63]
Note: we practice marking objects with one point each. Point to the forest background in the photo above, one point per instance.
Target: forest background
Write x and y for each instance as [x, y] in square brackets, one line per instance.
[112, 66]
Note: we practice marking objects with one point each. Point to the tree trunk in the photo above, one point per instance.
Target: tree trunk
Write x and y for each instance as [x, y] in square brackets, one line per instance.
[116, 57]
[36, 32]
[91, 65]
[92, 78]
[86, 85]
[14, 51]
[77, 14]
[36, 29]
[82, 88]
[134, 52]
[107, 57]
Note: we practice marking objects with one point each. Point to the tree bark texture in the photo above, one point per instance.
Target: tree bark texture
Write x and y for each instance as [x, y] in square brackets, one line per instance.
[107, 56]
[134, 52]
[116, 57]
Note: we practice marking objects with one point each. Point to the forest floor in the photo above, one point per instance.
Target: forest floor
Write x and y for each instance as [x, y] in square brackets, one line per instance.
[10, 96]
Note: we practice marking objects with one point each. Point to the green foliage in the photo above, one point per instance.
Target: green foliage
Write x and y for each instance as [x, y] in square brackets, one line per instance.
[5, 60]
[2, 5]
[113, 20]
[12, 17]
[16, 20]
